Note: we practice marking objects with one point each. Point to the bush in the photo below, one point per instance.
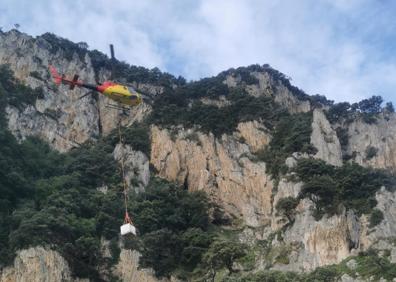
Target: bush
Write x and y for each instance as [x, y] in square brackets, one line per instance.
[371, 152]
[67, 47]
[376, 217]
[292, 134]
[286, 206]
[368, 109]
[322, 190]
[137, 136]
[338, 111]
[222, 254]
[351, 185]
[173, 108]
[372, 266]
[389, 107]
[371, 105]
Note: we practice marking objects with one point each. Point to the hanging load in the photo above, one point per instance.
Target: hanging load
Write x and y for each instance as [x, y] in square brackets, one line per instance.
[127, 227]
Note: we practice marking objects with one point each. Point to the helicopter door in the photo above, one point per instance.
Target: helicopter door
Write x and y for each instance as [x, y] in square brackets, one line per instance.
[117, 96]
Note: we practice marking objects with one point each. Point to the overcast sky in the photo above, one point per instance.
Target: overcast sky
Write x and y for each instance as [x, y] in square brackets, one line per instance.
[344, 49]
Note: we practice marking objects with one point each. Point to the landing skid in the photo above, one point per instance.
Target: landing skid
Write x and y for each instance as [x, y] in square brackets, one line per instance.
[116, 107]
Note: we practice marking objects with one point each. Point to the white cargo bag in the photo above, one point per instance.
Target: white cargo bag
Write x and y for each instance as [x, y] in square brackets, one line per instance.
[128, 228]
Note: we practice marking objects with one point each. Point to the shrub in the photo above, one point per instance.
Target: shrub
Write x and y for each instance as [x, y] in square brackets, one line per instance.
[173, 108]
[338, 111]
[292, 134]
[137, 136]
[222, 254]
[351, 185]
[286, 206]
[371, 152]
[372, 266]
[389, 107]
[376, 217]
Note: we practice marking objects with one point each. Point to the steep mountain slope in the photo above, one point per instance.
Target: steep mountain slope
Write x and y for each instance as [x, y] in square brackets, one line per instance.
[292, 179]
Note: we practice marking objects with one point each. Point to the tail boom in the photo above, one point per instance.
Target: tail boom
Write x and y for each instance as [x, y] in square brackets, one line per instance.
[58, 79]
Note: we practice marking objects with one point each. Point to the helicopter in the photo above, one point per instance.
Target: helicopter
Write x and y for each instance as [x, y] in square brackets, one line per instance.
[123, 94]
[120, 93]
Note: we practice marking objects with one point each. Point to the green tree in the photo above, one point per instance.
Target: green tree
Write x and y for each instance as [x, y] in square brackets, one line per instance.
[338, 111]
[389, 107]
[322, 190]
[371, 105]
[222, 253]
[286, 207]
[376, 217]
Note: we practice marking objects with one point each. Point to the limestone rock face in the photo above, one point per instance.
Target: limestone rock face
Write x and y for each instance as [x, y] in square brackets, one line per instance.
[332, 239]
[285, 189]
[220, 167]
[323, 242]
[127, 268]
[268, 86]
[386, 229]
[136, 166]
[217, 166]
[381, 136]
[37, 265]
[41, 265]
[254, 134]
[282, 95]
[325, 139]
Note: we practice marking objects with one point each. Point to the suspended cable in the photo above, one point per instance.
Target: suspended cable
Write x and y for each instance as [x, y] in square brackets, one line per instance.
[128, 225]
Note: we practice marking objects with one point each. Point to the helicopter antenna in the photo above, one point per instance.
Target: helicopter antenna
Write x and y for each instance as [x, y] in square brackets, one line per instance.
[112, 61]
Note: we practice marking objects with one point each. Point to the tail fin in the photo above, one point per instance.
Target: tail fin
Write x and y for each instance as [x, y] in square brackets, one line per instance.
[55, 75]
[74, 82]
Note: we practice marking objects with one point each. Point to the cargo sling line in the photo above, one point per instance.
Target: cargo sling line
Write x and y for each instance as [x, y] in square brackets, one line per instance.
[127, 219]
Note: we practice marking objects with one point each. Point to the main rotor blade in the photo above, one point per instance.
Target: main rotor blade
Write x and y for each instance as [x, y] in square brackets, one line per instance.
[112, 51]
[112, 61]
[85, 95]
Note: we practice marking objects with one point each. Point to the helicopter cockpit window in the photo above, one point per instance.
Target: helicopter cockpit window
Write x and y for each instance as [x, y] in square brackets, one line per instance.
[131, 89]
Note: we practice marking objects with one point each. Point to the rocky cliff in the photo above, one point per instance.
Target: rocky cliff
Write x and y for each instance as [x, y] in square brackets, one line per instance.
[222, 168]
[37, 264]
[225, 166]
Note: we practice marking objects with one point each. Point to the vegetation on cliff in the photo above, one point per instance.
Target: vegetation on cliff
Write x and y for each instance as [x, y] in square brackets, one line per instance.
[351, 186]
[175, 108]
[368, 266]
[367, 109]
